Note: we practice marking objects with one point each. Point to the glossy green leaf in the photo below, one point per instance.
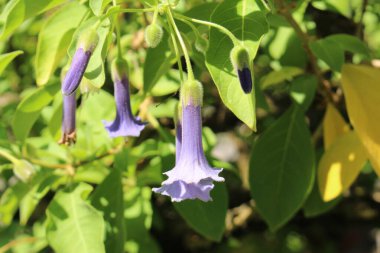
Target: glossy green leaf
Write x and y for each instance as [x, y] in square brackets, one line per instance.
[303, 89]
[7, 58]
[158, 61]
[54, 39]
[16, 11]
[98, 6]
[167, 84]
[30, 108]
[240, 17]
[207, 218]
[73, 224]
[282, 168]
[108, 198]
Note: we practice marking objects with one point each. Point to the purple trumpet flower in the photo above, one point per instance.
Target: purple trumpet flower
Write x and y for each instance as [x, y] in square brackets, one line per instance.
[125, 124]
[192, 177]
[68, 120]
[240, 61]
[86, 46]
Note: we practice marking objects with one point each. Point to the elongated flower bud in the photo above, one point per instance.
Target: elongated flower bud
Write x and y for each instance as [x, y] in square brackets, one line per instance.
[68, 120]
[153, 35]
[240, 60]
[86, 45]
[125, 124]
[192, 177]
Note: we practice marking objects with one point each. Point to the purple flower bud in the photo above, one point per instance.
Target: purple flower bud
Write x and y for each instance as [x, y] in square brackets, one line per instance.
[245, 79]
[68, 120]
[86, 46]
[240, 60]
[192, 177]
[125, 124]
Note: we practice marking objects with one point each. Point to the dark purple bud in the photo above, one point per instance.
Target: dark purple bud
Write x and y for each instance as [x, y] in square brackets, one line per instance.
[86, 46]
[245, 79]
[240, 60]
[125, 124]
[68, 120]
[192, 177]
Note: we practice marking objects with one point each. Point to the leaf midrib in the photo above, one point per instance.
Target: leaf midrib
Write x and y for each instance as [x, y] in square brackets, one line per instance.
[75, 216]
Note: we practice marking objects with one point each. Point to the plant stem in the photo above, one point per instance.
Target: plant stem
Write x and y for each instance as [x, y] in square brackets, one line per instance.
[117, 28]
[219, 27]
[8, 156]
[182, 43]
[178, 55]
[16, 242]
[305, 39]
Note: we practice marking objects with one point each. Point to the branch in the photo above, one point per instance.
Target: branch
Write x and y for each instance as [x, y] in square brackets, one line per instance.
[305, 40]
[16, 242]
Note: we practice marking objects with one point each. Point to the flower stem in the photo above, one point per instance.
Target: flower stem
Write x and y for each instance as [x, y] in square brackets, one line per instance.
[117, 28]
[8, 156]
[221, 28]
[178, 55]
[182, 43]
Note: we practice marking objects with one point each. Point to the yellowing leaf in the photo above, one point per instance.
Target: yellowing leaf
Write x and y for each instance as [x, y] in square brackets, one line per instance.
[340, 165]
[361, 88]
[333, 126]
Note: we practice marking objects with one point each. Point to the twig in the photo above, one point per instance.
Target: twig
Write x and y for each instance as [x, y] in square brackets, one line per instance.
[15, 242]
[359, 29]
[305, 39]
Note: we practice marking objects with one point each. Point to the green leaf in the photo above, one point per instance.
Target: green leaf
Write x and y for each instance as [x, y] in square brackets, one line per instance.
[5, 59]
[331, 49]
[54, 39]
[207, 218]
[279, 76]
[330, 52]
[167, 84]
[351, 43]
[158, 61]
[138, 220]
[16, 11]
[74, 225]
[248, 24]
[38, 190]
[10, 200]
[108, 198]
[282, 168]
[303, 90]
[30, 108]
[98, 6]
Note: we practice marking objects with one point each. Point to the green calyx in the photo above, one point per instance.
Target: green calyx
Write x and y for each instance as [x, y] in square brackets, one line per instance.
[239, 57]
[153, 35]
[88, 40]
[201, 45]
[192, 93]
[178, 114]
[119, 69]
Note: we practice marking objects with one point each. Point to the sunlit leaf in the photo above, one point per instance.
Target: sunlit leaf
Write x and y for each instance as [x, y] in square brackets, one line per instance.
[248, 24]
[362, 93]
[7, 58]
[333, 126]
[73, 224]
[54, 39]
[279, 76]
[340, 165]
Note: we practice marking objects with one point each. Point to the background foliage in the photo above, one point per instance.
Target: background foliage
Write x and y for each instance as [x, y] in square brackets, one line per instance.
[305, 181]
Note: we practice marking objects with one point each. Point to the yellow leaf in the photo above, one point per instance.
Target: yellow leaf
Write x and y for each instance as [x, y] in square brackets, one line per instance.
[340, 165]
[361, 88]
[333, 126]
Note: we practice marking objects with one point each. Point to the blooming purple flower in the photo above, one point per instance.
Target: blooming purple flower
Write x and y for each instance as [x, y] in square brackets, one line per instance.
[192, 177]
[86, 46]
[68, 120]
[125, 124]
